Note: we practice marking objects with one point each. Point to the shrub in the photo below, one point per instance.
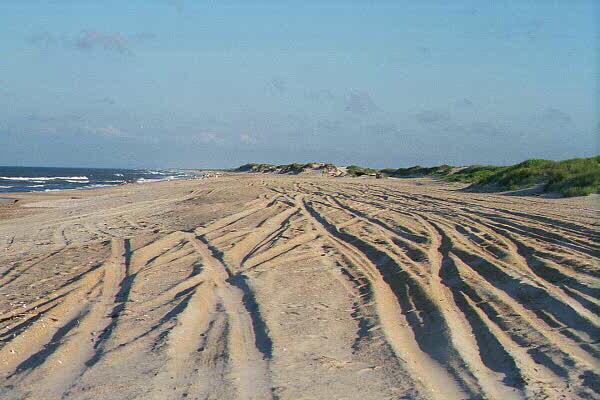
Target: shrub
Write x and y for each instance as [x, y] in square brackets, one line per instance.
[355, 170]
[574, 177]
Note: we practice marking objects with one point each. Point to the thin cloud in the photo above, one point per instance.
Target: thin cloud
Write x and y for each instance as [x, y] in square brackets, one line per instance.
[319, 95]
[247, 139]
[529, 29]
[208, 137]
[111, 41]
[109, 131]
[40, 118]
[555, 117]
[144, 37]
[42, 39]
[360, 103]
[89, 40]
[178, 4]
[465, 103]
[108, 100]
[278, 84]
[485, 129]
[381, 129]
[428, 117]
[327, 127]
[62, 119]
[424, 50]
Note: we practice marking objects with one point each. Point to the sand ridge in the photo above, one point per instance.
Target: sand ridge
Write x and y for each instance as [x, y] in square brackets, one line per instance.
[253, 286]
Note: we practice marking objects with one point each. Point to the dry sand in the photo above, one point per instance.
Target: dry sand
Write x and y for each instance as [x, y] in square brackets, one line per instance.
[278, 287]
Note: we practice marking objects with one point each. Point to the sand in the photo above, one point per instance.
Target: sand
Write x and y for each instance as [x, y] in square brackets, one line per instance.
[286, 287]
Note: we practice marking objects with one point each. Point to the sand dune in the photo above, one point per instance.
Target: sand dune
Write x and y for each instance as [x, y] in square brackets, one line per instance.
[277, 287]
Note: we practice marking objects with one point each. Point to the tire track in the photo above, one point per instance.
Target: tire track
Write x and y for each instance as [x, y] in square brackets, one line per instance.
[248, 343]
[402, 339]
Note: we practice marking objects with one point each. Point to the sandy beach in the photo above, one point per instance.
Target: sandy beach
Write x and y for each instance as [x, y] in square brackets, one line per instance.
[258, 286]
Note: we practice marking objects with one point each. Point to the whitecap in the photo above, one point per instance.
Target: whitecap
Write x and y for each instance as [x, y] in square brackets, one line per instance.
[146, 180]
[44, 178]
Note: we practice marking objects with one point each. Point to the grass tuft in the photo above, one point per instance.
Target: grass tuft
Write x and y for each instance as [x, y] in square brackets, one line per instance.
[574, 177]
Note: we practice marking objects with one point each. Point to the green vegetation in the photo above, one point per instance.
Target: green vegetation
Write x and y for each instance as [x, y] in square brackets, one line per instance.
[294, 168]
[255, 168]
[474, 173]
[355, 170]
[575, 177]
[417, 171]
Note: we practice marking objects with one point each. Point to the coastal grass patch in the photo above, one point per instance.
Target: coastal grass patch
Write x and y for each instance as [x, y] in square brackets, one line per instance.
[574, 177]
[417, 170]
[355, 170]
[293, 169]
[474, 173]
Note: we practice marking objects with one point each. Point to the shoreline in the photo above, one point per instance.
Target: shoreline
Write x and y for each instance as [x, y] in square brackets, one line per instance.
[92, 188]
[17, 180]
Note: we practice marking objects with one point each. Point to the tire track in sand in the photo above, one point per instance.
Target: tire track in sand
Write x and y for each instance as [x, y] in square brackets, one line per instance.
[57, 356]
[434, 379]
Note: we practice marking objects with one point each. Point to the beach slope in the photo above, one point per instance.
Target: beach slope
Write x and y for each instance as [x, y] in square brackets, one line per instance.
[255, 286]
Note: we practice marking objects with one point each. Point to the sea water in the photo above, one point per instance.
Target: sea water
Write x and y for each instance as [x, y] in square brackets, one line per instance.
[44, 179]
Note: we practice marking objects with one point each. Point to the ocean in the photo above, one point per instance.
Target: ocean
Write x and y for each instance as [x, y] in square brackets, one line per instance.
[44, 179]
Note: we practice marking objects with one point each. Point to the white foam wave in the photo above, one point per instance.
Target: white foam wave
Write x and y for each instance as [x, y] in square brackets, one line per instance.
[147, 180]
[45, 178]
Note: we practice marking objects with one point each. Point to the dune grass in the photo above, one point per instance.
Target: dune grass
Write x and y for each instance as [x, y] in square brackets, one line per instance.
[474, 173]
[293, 169]
[417, 170]
[355, 170]
[574, 177]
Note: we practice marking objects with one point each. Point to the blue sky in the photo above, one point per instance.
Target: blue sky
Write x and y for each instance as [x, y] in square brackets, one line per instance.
[176, 83]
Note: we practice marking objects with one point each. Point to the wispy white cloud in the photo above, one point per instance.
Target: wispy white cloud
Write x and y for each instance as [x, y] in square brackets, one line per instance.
[109, 131]
[247, 138]
[208, 137]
